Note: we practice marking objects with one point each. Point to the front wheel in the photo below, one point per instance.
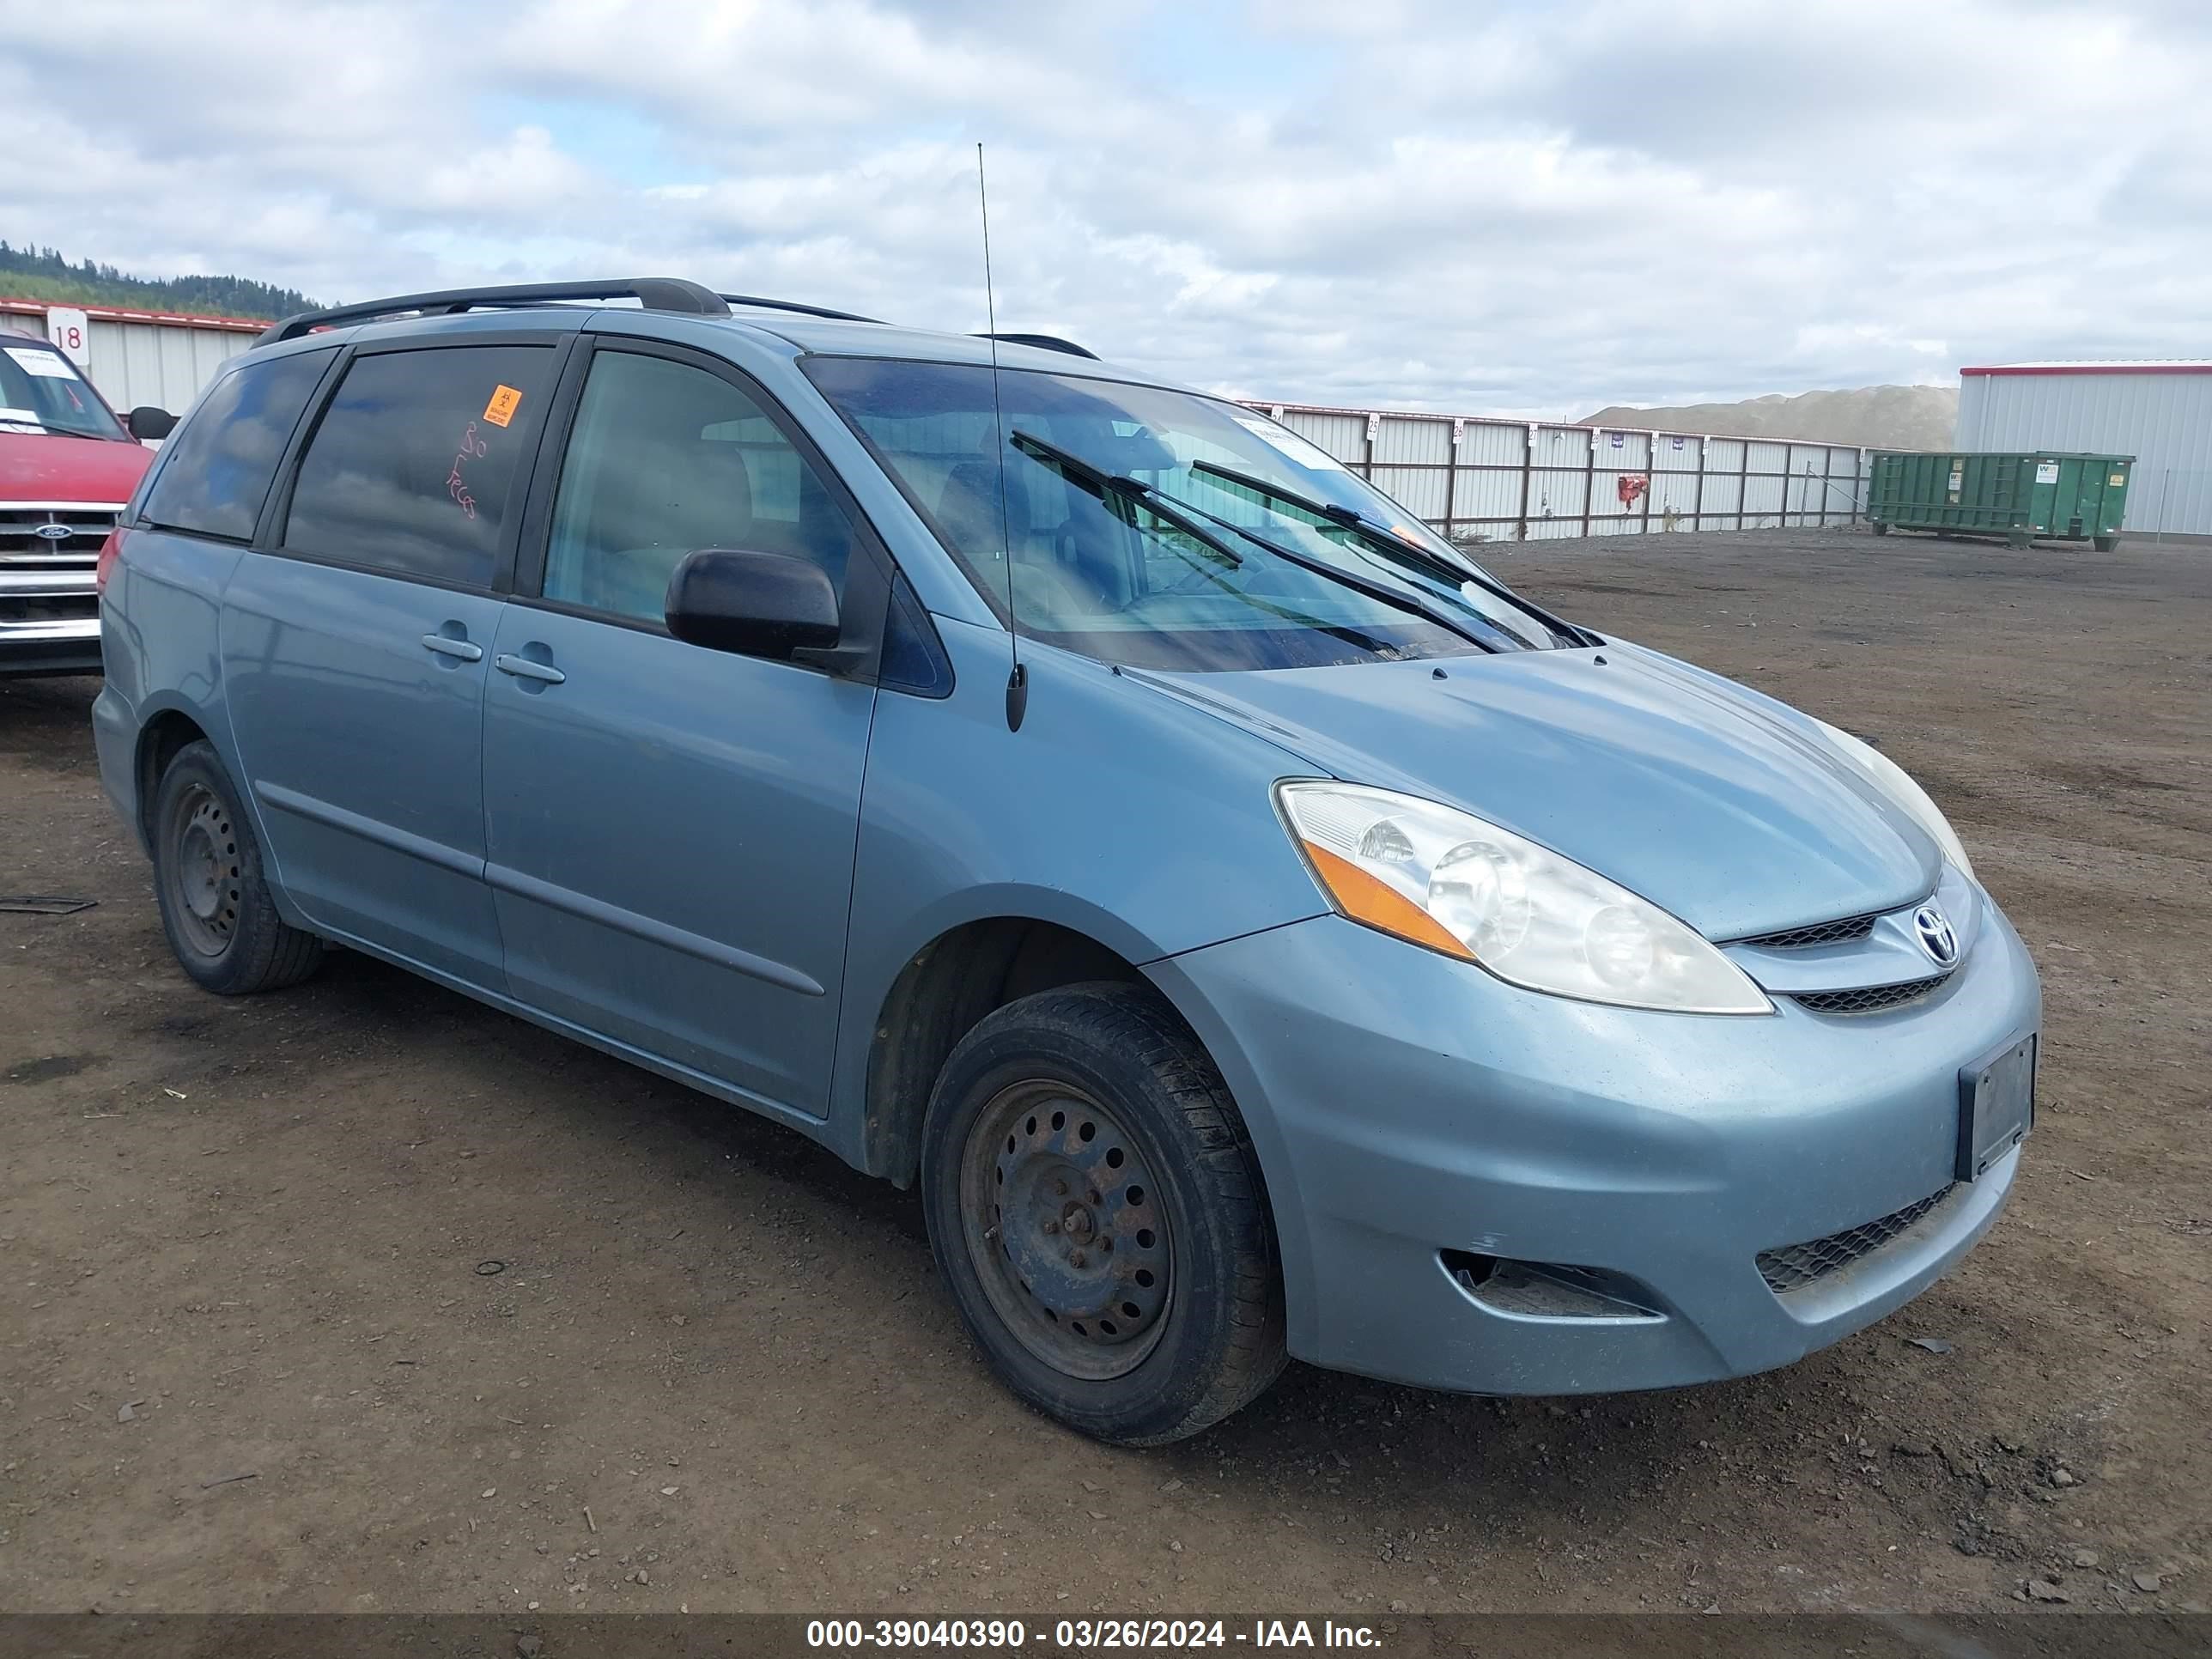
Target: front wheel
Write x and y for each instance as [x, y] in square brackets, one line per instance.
[1094, 1203]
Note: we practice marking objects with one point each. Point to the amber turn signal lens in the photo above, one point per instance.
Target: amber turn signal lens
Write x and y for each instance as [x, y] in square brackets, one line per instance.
[1362, 897]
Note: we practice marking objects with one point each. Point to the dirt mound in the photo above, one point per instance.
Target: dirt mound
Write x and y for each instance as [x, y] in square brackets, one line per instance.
[1873, 416]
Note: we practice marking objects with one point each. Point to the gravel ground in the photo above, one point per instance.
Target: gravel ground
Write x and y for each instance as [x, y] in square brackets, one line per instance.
[254, 1353]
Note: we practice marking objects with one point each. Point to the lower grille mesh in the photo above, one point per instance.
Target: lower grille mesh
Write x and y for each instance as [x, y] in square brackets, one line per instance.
[1795, 1266]
[1869, 999]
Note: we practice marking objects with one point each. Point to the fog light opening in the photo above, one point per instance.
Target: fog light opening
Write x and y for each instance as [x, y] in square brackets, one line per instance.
[1469, 1271]
[1548, 1290]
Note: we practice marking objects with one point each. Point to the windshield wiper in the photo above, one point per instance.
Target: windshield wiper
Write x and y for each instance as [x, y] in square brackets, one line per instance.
[1388, 543]
[1181, 514]
[1331, 513]
[1104, 484]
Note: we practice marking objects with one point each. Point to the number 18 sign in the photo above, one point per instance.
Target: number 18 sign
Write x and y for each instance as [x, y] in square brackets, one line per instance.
[71, 330]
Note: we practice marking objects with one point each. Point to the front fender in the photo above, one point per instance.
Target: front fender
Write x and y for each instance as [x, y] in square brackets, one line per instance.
[1131, 818]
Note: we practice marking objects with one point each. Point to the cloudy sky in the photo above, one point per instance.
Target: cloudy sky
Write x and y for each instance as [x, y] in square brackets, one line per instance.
[1532, 208]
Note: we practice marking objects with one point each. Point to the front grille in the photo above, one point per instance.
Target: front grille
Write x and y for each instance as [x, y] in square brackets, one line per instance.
[21, 543]
[1841, 931]
[1869, 999]
[1795, 1266]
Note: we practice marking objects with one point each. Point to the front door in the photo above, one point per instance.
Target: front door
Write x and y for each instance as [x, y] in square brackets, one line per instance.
[671, 829]
[355, 653]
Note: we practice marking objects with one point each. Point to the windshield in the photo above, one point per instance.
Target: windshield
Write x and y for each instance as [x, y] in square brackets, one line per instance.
[1158, 575]
[40, 392]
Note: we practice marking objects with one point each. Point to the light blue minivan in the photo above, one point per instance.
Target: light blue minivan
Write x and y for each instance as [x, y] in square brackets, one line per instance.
[1258, 931]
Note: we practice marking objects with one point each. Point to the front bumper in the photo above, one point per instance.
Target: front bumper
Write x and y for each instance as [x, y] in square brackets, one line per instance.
[1404, 1105]
[48, 644]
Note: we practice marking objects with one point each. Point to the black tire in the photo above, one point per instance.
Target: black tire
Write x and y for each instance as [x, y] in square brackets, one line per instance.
[1203, 1335]
[216, 904]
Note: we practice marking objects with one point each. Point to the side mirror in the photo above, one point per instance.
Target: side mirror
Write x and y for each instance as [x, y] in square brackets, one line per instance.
[147, 423]
[757, 604]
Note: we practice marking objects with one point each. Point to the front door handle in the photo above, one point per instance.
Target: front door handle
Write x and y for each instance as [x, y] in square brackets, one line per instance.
[447, 646]
[524, 668]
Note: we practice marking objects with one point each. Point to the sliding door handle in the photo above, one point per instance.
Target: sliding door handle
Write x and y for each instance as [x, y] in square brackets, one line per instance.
[527, 668]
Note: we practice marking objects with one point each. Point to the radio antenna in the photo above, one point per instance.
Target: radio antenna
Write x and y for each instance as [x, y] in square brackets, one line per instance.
[1018, 680]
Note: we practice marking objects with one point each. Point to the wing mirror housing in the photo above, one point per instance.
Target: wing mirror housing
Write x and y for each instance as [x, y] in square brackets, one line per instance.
[754, 604]
[149, 424]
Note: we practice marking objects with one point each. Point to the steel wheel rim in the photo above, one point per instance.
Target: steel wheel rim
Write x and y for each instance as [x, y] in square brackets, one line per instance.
[204, 884]
[1066, 1231]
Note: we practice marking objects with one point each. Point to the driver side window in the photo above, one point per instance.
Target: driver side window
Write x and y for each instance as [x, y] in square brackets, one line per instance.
[664, 459]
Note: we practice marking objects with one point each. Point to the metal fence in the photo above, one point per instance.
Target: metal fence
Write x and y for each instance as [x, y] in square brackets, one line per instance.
[1479, 478]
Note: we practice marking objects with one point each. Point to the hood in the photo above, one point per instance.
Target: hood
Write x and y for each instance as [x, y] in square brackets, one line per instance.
[1719, 804]
[42, 467]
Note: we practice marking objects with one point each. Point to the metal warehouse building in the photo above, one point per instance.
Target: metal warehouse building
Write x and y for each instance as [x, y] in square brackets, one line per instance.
[135, 358]
[2159, 412]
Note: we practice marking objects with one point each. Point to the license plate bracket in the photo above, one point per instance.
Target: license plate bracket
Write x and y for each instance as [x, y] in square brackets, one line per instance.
[1996, 1105]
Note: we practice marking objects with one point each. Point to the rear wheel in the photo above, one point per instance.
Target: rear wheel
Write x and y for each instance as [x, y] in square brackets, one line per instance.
[1094, 1204]
[216, 905]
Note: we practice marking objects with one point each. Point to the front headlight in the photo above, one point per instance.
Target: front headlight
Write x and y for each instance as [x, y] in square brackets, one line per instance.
[1892, 780]
[1443, 878]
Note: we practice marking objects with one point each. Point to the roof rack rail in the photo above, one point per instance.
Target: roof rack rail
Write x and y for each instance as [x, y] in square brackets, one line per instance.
[654, 293]
[793, 304]
[1044, 342]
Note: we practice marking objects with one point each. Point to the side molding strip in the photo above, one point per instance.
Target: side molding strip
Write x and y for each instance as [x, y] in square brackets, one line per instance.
[353, 823]
[644, 928]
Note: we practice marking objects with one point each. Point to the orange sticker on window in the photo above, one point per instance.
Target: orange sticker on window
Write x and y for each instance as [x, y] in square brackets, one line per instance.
[505, 400]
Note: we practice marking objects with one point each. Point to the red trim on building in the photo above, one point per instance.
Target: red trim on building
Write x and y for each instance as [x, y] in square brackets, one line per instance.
[2093, 369]
[126, 314]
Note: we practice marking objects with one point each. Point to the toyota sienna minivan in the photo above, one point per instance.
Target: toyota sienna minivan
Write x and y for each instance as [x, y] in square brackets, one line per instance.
[1257, 930]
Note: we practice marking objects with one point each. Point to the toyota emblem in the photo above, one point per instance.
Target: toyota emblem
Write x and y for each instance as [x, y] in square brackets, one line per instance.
[1933, 929]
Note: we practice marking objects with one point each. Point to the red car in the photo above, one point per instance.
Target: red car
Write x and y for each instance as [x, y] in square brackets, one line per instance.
[67, 467]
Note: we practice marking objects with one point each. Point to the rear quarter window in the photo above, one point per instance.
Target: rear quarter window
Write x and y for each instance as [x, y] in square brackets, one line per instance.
[216, 470]
[413, 469]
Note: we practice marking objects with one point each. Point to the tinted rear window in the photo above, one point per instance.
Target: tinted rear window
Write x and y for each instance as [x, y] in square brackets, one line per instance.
[413, 468]
[216, 470]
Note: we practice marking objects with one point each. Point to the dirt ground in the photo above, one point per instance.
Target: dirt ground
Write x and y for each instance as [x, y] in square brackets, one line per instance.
[255, 1352]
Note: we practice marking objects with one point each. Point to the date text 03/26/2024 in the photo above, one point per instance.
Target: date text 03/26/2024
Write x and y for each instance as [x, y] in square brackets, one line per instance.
[1087, 1635]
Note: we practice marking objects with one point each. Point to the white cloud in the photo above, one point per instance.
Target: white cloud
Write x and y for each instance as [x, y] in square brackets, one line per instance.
[1532, 207]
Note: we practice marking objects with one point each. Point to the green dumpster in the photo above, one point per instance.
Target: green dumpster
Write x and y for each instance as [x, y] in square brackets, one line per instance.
[2023, 498]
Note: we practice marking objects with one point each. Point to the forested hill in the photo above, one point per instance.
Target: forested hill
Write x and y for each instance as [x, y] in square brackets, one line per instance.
[41, 273]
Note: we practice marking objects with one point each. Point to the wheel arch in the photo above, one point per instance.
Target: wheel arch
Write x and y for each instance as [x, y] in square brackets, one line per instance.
[168, 725]
[944, 990]
[161, 737]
